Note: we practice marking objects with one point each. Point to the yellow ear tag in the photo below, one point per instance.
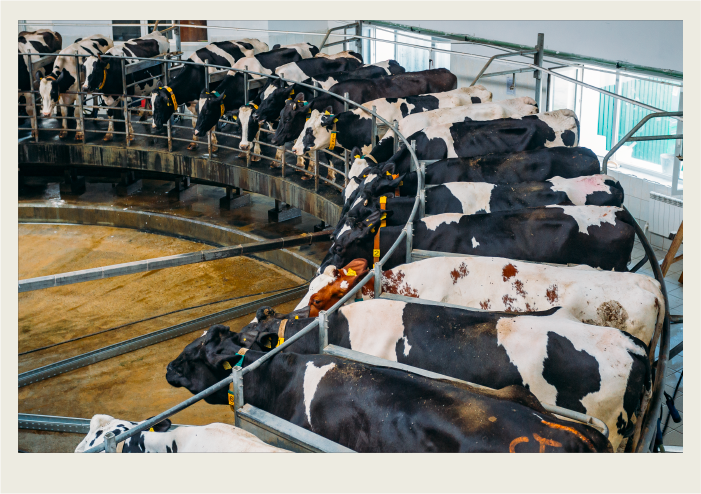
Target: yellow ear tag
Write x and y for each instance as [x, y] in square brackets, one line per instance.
[292, 92]
[232, 405]
[357, 156]
[226, 365]
[327, 112]
[151, 430]
[296, 317]
[350, 272]
[235, 117]
[335, 120]
[376, 253]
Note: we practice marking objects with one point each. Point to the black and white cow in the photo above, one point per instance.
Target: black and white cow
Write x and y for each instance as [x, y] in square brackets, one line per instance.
[597, 370]
[212, 438]
[377, 409]
[598, 236]
[185, 88]
[65, 77]
[473, 138]
[482, 197]
[294, 113]
[310, 67]
[276, 92]
[212, 105]
[40, 43]
[104, 75]
[628, 301]
[354, 127]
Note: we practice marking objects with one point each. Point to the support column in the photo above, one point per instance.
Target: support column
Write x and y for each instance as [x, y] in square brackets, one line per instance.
[72, 183]
[283, 212]
[128, 184]
[184, 190]
[234, 199]
[538, 60]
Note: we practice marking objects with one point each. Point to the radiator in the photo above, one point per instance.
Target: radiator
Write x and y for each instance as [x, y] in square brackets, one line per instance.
[665, 214]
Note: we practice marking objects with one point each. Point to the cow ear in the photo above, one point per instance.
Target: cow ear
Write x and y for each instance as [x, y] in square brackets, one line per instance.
[356, 152]
[388, 168]
[267, 341]
[276, 47]
[38, 75]
[299, 98]
[162, 426]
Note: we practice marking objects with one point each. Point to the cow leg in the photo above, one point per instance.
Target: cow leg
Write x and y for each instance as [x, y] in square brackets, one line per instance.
[64, 123]
[78, 125]
[193, 110]
[215, 148]
[131, 130]
[256, 147]
[311, 168]
[110, 127]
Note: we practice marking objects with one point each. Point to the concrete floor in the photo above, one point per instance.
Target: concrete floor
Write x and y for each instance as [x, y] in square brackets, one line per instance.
[130, 386]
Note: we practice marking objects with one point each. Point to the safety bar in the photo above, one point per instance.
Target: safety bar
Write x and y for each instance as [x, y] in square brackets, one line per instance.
[501, 55]
[629, 136]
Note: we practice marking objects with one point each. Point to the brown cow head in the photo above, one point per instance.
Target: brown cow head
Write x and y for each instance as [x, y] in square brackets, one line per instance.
[346, 278]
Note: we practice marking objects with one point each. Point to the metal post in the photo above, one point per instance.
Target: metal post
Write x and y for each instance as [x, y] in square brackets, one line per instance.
[34, 120]
[576, 87]
[126, 104]
[678, 148]
[81, 118]
[316, 171]
[316, 84]
[237, 375]
[166, 72]
[110, 443]
[396, 137]
[283, 157]
[209, 133]
[346, 163]
[411, 165]
[345, 103]
[409, 239]
[378, 278]
[538, 60]
[581, 91]
[374, 126]
[359, 41]
[245, 86]
[176, 36]
[323, 330]
[548, 93]
[422, 190]
[616, 109]
[323, 41]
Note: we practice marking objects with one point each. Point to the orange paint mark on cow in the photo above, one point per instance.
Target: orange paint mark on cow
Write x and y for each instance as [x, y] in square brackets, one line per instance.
[459, 273]
[573, 431]
[546, 442]
[518, 440]
[485, 305]
[551, 293]
[509, 271]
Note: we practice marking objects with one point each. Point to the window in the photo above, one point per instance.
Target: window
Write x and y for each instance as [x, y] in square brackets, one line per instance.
[125, 33]
[412, 58]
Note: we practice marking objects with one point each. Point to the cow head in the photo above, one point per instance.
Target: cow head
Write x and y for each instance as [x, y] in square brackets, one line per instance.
[49, 92]
[210, 108]
[162, 106]
[344, 280]
[354, 240]
[102, 424]
[250, 125]
[291, 120]
[316, 133]
[273, 100]
[95, 73]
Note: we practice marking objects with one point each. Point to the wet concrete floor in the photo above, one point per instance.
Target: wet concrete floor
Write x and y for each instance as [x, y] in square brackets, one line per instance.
[130, 386]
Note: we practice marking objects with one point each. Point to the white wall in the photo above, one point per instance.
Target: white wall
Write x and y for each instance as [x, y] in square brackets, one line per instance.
[652, 43]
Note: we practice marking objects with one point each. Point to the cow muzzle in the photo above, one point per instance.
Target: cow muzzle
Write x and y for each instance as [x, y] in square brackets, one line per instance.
[245, 146]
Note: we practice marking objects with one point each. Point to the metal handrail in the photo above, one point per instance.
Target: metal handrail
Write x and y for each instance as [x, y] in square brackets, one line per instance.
[629, 135]
[238, 373]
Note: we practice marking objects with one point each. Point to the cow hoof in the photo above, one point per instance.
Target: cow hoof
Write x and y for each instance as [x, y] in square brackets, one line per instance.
[255, 158]
[63, 134]
[108, 137]
[79, 136]
[242, 155]
[131, 138]
[306, 177]
[192, 146]
[215, 149]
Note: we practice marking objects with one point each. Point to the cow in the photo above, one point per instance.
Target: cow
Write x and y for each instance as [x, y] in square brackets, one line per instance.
[40, 43]
[354, 128]
[212, 438]
[212, 105]
[482, 197]
[469, 139]
[187, 86]
[294, 113]
[597, 370]
[377, 409]
[276, 92]
[628, 301]
[105, 75]
[310, 67]
[65, 77]
[598, 236]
